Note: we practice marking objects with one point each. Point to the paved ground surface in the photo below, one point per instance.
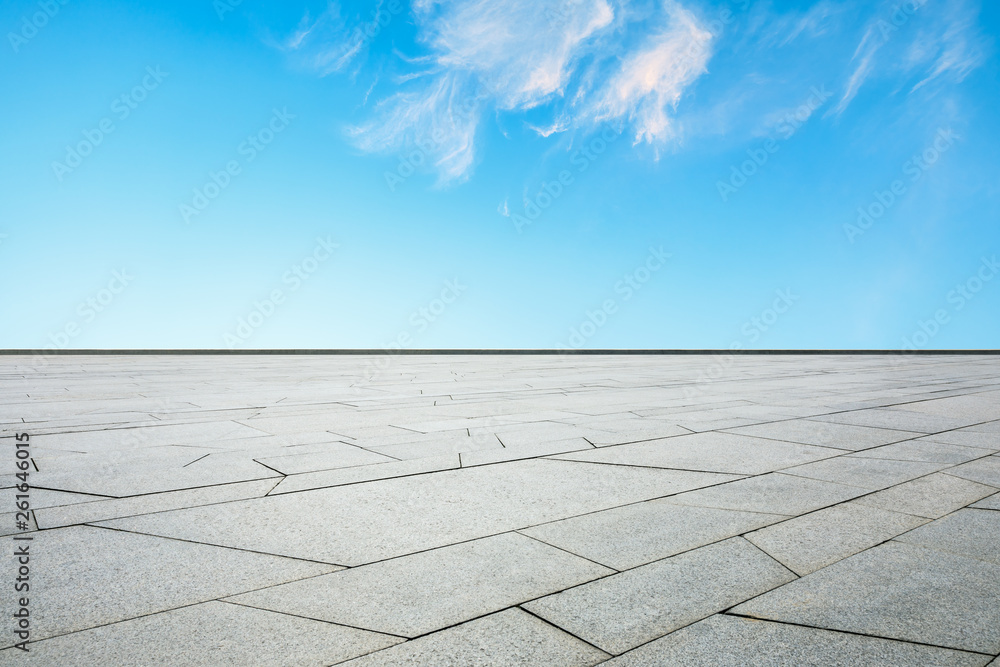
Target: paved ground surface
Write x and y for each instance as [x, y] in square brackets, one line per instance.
[503, 510]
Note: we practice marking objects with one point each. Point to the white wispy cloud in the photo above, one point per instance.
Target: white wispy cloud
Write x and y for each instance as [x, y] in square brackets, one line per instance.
[650, 82]
[937, 41]
[516, 55]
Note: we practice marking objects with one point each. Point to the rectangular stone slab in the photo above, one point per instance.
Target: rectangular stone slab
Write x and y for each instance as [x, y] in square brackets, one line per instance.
[423, 592]
[362, 523]
[510, 637]
[202, 635]
[897, 591]
[628, 609]
[732, 641]
[82, 577]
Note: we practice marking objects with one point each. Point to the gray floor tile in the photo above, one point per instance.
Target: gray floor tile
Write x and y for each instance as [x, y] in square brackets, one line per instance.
[866, 473]
[341, 476]
[826, 434]
[103, 510]
[985, 471]
[206, 635]
[897, 591]
[968, 438]
[337, 455]
[394, 517]
[924, 450]
[82, 577]
[775, 493]
[622, 611]
[485, 456]
[990, 503]
[730, 641]
[709, 452]
[510, 637]
[903, 420]
[932, 496]
[815, 540]
[968, 532]
[633, 535]
[423, 592]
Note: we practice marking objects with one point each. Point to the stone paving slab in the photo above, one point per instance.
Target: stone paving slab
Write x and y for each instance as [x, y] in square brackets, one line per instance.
[774, 493]
[815, 540]
[628, 609]
[501, 510]
[985, 471]
[82, 577]
[709, 452]
[991, 503]
[510, 637]
[423, 592]
[968, 532]
[932, 496]
[394, 517]
[898, 591]
[823, 434]
[730, 641]
[104, 509]
[206, 635]
[867, 473]
[927, 451]
[626, 537]
[340, 476]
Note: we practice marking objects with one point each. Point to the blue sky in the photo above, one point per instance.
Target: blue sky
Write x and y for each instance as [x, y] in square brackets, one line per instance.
[500, 173]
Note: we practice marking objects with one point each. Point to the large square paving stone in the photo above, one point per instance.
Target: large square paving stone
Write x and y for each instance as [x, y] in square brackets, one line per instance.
[510, 637]
[423, 592]
[897, 591]
[362, 523]
[82, 576]
[731, 641]
[206, 635]
[622, 611]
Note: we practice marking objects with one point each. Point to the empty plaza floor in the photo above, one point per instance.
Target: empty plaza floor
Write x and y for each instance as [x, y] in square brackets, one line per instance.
[571, 510]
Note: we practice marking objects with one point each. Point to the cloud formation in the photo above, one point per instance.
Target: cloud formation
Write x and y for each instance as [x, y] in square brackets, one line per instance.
[584, 57]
